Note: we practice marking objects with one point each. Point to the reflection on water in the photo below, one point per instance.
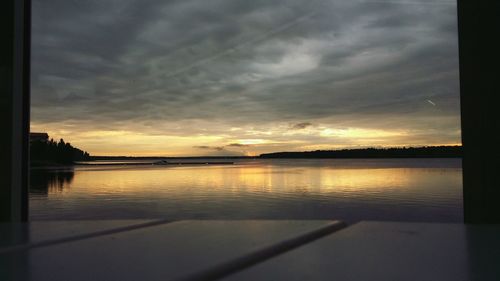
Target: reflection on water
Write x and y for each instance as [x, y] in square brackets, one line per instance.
[44, 182]
[411, 189]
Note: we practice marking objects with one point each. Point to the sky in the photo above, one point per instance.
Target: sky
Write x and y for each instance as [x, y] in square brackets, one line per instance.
[239, 77]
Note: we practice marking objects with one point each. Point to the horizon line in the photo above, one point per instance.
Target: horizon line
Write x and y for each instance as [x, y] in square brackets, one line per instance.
[256, 156]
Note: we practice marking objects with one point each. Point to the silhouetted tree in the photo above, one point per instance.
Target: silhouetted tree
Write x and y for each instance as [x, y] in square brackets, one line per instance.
[52, 152]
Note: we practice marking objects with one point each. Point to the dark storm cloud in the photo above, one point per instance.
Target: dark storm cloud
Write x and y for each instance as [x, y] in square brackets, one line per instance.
[147, 64]
[237, 145]
[214, 151]
[217, 148]
[300, 126]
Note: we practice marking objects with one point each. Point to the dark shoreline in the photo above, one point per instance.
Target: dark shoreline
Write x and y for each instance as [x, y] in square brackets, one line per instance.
[154, 164]
[428, 152]
[361, 153]
[400, 152]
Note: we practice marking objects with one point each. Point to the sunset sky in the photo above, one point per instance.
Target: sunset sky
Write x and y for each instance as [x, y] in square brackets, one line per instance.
[240, 77]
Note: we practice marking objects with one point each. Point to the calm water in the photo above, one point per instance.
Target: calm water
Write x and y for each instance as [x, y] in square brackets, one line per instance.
[351, 190]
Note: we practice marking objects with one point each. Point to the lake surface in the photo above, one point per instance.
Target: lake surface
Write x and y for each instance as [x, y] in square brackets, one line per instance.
[347, 189]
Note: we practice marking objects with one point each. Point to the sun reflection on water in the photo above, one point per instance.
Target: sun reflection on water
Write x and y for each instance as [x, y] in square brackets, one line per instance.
[262, 189]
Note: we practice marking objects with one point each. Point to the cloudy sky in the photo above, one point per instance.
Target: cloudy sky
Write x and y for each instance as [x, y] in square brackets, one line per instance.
[239, 77]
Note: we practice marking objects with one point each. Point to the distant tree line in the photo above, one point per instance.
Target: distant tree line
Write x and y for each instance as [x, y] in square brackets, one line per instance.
[51, 152]
[399, 152]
